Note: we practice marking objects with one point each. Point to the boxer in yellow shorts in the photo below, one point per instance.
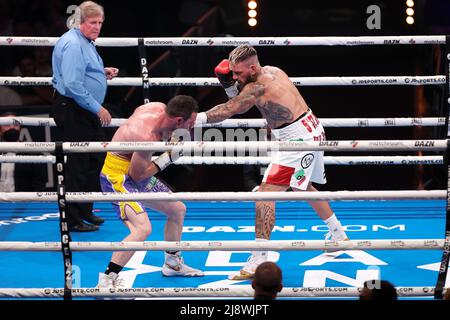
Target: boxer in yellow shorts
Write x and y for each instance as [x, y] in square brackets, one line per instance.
[134, 172]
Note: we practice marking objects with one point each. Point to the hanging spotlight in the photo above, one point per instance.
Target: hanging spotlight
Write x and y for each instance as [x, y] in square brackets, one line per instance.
[252, 13]
[252, 4]
[410, 12]
[252, 22]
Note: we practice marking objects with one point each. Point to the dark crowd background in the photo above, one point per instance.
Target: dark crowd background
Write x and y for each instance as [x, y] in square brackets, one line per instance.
[202, 18]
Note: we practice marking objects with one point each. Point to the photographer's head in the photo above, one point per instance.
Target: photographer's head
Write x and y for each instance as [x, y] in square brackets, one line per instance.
[379, 290]
[268, 281]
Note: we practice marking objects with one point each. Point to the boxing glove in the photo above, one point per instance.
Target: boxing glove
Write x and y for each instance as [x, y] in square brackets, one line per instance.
[225, 77]
[168, 157]
[201, 119]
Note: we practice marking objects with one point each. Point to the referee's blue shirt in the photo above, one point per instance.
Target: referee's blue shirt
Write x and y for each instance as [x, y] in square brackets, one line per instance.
[78, 70]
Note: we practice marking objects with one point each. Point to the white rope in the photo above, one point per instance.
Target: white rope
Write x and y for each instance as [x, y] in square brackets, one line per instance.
[27, 159]
[276, 245]
[260, 123]
[337, 122]
[206, 292]
[49, 122]
[369, 160]
[255, 147]
[236, 41]
[202, 82]
[225, 196]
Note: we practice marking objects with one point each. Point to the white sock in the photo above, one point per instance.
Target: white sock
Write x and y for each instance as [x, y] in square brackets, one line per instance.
[336, 228]
[260, 254]
[332, 221]
[170, 258]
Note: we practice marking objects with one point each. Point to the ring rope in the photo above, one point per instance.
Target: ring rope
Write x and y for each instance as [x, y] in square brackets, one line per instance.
[236, 41]
[259, 123]
[186, 292]
[329, 160]
[226, 196]
[275, 245]
[27, 159]
[229, 146]
[334, 122]
[298, 81]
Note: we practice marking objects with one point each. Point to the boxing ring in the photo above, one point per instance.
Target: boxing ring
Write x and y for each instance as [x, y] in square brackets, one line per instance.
[397, 235]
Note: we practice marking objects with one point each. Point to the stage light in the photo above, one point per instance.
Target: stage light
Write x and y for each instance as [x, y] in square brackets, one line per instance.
[410, 12]
[252, 13]
[252, 5]
[252, 22]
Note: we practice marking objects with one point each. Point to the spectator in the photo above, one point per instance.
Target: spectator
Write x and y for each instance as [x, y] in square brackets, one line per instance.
[378, 290]
[42, 56]
[267, 281]
[23, 26]
[31, 95]
[6, 21]
[6, 29]
[19, 176]
[447, 294]
[9, 97]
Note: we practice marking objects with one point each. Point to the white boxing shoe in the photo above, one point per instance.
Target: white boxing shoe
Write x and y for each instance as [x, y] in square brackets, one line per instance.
[111, 281]
[108, 281]
[335, 234]
[174, 266]
[248, 270]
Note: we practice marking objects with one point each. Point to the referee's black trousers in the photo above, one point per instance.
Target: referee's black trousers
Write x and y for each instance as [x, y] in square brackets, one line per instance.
[75, 124]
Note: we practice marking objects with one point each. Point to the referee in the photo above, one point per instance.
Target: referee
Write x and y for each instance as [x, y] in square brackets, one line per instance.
[79, 80]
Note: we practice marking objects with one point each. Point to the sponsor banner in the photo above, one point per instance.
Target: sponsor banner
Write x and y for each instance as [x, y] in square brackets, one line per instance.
[28, 41]
[30, 81]
[319, 289]
[158, 42]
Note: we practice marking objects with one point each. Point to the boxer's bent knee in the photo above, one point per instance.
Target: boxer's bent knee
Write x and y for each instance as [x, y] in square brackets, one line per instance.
[178, 211]
[142, 233]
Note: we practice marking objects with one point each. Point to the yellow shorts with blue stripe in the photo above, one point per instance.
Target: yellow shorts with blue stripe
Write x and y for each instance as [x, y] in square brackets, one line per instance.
[114, 178]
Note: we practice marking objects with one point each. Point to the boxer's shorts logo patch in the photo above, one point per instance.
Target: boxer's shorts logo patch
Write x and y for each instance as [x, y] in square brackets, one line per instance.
[307, 160]
[300, 176]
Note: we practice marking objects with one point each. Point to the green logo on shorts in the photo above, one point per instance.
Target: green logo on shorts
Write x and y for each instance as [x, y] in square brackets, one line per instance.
[151, 183]
[299, 174]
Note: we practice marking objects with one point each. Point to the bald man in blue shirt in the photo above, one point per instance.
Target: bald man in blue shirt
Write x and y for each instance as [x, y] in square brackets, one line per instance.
[79, 80]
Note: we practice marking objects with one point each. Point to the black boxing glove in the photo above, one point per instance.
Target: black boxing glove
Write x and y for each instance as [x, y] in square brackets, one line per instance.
[225, 77]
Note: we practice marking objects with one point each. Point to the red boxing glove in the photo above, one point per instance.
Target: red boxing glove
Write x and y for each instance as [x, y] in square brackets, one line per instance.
[225, 77]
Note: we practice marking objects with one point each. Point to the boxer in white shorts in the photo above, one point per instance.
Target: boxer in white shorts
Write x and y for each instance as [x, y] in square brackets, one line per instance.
[247, 83]
[297, 169]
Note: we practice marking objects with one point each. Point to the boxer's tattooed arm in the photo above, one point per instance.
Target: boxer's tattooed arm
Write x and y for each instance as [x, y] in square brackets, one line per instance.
[239, 104]
[275, 113]
[265, 220]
